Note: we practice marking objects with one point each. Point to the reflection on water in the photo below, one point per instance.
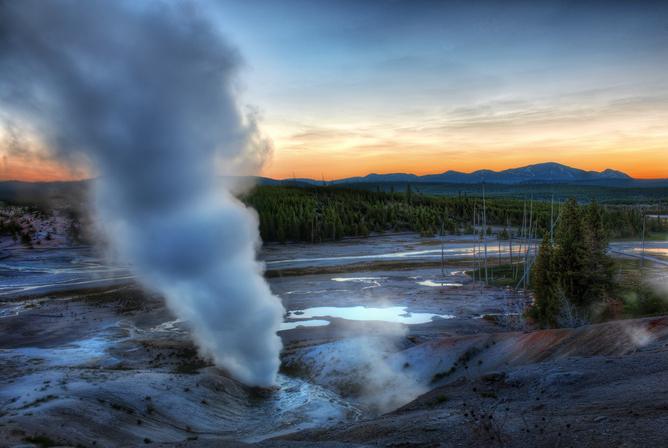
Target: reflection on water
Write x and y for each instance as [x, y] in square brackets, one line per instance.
[356, 279]
[436, 283]
[396, 314]
[652, 250]
[372, 282]
[456, 250]
[45, 270]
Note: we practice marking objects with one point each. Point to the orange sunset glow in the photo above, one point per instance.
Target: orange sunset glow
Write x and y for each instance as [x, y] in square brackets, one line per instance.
[342, 158]
[625, 137]
[335, 107]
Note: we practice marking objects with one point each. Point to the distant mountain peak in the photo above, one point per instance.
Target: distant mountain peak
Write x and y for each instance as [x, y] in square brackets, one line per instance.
[610, 173]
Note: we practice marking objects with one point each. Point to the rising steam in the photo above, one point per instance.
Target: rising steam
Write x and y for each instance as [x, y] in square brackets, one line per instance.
[145, 93]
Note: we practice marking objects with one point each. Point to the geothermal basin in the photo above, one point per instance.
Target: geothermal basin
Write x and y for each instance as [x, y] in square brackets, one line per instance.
[82, 345]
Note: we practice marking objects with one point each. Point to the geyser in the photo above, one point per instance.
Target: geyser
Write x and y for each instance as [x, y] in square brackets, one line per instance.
[145, 93]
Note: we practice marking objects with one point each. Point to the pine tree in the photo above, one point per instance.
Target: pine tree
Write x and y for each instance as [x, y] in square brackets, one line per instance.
[599, 268]
[570, 255]
[545, 286]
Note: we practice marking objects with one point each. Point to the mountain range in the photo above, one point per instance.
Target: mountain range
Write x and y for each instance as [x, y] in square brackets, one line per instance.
[543, 173]
[531, 176]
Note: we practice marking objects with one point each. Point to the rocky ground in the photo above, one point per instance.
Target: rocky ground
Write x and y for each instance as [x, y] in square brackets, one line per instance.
[110, 366]
[96, 370]
[597, 386]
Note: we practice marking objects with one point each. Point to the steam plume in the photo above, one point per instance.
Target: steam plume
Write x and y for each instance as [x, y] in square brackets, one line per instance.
[145, 93]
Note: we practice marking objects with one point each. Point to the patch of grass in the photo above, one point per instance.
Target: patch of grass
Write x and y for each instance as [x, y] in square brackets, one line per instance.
[463, 360]
[190, 363]
[645, 301]
[119, 366]
[649, 236]
[441, 375]
[469, 354]
[488, 394]
[349, 388]
[190, 367]
[294, 369]
[39, 401]
[41, 440]
[634, 293]
[500, 275]
[439, 399]
[123, 408]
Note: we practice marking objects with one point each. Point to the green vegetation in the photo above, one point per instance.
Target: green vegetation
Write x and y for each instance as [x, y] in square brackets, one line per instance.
[629, 194]
[545, 284]
[501, 275]
[318, 214]
[10, 227]
[41, 441]
[189, 363]
[636, 294]
[644, 301]
[574, 270]
[439, 399]
[631, 294]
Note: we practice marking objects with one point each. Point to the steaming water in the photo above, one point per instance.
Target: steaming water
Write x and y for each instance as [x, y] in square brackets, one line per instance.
[298, 405]
[295, 405]
[395, 314]
[232, 412]
[170, 103]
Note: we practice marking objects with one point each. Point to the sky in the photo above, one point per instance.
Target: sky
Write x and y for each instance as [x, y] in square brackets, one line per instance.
[346, 88]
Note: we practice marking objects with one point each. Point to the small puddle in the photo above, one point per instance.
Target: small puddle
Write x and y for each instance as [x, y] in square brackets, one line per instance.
[395, 314]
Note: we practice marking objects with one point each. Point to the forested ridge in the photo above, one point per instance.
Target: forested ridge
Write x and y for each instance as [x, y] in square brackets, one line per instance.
[316, 214]
[324, 213]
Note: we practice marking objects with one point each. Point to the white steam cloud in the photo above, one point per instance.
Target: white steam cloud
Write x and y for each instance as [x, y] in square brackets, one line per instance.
[144, 91]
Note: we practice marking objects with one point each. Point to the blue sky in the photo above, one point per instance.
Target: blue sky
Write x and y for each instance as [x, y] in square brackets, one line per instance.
[379, 81]
[345, 87]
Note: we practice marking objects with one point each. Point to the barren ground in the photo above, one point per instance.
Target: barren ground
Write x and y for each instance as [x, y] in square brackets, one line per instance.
[88, 359]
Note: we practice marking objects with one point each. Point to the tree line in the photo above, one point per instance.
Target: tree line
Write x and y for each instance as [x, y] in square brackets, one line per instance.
[318, 214]
[325, 213]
